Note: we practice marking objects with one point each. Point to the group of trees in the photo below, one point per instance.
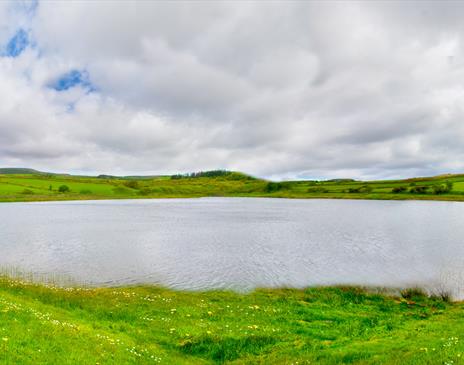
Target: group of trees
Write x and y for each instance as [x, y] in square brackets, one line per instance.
[424, 189]
[212, 173]
[361, 189]
[272, 187]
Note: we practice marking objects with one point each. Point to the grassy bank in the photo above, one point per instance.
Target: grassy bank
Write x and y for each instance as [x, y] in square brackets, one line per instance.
[147, 325]
[35, 186]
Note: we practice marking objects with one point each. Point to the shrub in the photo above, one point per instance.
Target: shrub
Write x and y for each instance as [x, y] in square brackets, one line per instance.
[443, 295]
[272, 186]
[133, 184]
[442, 188]
[85, 192]
[64, 189]
[418, 189]
[318, 189]
[362, 189]
[365, 189]
[277, 186]
[413, 293]
[399, 189]
[121, 190]
[27, 191]
[449, 185]
[144, 191]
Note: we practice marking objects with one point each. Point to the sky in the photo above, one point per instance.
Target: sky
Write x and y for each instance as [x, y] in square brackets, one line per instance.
[281, 90]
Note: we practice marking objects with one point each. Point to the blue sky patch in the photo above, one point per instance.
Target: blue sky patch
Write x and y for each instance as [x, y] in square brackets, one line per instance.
[17, 43]
[71, 79]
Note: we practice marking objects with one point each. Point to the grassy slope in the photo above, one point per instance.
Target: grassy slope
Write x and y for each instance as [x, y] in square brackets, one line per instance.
[146, 325]
[36, 187]
[40, 325]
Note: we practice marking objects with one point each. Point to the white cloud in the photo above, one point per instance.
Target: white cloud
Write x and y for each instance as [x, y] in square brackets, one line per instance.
[281, 89]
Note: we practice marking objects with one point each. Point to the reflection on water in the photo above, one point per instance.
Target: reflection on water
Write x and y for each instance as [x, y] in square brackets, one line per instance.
[238, 244]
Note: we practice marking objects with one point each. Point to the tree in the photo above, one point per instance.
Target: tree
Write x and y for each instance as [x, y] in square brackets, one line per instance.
[64, 189]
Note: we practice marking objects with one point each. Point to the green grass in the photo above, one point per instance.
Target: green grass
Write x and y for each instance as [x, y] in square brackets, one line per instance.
[147, 325]
[43, 187]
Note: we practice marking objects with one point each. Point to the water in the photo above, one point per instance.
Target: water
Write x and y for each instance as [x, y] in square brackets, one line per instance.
[239, 244]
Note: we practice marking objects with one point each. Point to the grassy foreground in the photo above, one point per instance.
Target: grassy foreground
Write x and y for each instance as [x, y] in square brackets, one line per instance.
[30, 185]
[148, 325]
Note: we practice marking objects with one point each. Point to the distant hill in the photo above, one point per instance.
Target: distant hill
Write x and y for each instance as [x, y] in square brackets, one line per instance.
[20, 171]
[141, 177]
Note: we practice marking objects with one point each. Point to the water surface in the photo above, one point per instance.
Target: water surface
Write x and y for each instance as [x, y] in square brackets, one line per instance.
[240, 244]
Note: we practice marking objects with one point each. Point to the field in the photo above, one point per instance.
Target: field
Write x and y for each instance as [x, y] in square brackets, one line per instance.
[34, 186]
[42, 324]
[148, 325]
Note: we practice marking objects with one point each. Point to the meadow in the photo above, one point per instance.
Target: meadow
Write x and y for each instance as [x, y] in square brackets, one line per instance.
[35, 186]
[46, 324]
[147, 325]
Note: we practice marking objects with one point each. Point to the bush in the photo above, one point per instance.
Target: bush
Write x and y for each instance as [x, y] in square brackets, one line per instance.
[64, 189]
[121, 190]
[85, 192]
[27, 192]
[133, 184]
[365, 189]
[318, 189]
[443, 295]
[362, 189]
[419, 189]
[277, 186]
[442, 188]
[399, 189]
[449, 185]
[413, 293]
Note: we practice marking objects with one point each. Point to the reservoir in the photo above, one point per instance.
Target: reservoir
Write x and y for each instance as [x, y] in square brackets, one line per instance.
[238, 243]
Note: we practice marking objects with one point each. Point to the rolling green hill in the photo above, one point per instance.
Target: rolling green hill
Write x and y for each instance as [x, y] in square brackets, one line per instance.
[32, 185]
[19, 170]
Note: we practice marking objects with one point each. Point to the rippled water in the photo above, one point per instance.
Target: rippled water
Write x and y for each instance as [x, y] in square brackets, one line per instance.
[238, 243]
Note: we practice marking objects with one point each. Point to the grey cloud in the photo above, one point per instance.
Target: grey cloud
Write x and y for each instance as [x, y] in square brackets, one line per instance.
[279, 89]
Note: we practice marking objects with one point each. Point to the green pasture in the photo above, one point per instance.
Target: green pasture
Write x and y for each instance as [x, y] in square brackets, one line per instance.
[149, 325]
[36, 186]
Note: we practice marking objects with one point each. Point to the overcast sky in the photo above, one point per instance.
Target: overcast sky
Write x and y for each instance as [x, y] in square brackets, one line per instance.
[275, 89]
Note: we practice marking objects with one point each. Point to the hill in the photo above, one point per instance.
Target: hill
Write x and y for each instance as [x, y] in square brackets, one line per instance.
[19, 170]
[21, 184]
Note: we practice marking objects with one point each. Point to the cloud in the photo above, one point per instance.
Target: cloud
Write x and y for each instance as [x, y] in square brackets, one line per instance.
[280, 89]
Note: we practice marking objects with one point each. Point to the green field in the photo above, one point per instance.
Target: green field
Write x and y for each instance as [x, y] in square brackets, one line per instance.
[35, 186]
[40, 324]
[148, 325]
